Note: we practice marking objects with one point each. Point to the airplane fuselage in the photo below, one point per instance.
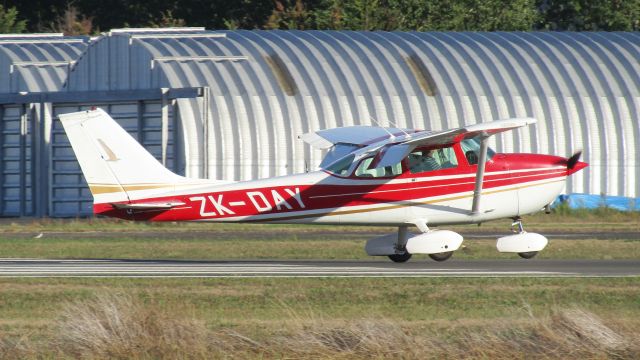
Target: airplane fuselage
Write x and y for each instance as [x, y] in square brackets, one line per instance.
[514, 184]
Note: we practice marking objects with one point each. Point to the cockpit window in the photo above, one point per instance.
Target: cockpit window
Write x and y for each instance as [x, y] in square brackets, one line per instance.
[471, 149]
[341, 167]
[387, 171]
[336, 152]
[432, 159]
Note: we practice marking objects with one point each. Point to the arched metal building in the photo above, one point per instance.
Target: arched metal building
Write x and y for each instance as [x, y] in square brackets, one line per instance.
[230, 104]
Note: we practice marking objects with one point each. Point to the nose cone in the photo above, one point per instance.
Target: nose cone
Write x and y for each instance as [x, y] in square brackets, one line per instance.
[579, 165]
[573, 163]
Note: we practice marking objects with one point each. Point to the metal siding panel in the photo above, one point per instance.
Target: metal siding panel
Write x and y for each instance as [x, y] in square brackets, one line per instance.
[485, 114]
[596, 147]
[434, 107]
[630, 146]
[264, 140]
[315, 156]
[576, 138]
[636, 106]
[557, 124]
[504, 140]
[40, 63]
[15, 163]
[524, 134]
[246, 154]
[222, 128]
[612, 165]
[399, 118]
[451, 112]
[468, 111]
[281, 161]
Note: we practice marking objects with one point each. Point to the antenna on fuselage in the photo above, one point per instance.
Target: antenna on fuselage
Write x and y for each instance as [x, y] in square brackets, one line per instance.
[383, 128]
[399, 128]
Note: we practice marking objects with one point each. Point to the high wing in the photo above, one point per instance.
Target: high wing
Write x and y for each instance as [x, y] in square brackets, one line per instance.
[355, 135]
[393, 144]
[366, 135]
[393, 152]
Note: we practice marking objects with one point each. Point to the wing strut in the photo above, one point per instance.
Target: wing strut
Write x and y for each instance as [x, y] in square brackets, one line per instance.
[477, 192]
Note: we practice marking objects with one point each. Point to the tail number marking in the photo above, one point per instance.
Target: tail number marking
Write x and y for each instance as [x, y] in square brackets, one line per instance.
[262, 201]
[217, 204]
[268, 200]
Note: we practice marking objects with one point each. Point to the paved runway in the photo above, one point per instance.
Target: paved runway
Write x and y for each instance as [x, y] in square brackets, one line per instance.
[301, 268]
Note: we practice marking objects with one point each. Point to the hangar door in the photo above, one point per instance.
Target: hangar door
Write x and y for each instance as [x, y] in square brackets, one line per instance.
[68, 192]
[15, 160]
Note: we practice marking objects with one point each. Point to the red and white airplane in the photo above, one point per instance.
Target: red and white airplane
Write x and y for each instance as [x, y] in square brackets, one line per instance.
[370, 176]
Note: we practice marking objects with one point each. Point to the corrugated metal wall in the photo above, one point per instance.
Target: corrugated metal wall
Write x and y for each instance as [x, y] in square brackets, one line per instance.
[39, 174]
[15, 161]
[37, 62]
[269, 86]
[28, 63]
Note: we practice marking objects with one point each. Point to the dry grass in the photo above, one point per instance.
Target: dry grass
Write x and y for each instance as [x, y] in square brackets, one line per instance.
[118, 326]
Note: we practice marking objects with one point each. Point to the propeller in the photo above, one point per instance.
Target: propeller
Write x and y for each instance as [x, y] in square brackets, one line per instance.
[573, 160]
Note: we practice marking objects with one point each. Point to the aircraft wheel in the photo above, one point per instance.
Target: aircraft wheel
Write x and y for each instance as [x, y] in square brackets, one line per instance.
[441, 256]
[400, 258]
[528, 254]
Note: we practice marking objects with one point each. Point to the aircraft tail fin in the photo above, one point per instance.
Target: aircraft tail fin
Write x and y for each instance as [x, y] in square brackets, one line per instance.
[112, 161]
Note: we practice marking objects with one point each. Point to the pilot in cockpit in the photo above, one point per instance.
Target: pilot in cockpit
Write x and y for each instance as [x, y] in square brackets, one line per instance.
[422, 161]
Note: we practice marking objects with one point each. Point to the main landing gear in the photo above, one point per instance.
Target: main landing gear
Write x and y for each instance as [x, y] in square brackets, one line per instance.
[401, 254]
[400, 258]
[438, 244]
[441, 256]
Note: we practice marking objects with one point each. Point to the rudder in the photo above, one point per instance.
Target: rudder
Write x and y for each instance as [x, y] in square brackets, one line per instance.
[112, 161]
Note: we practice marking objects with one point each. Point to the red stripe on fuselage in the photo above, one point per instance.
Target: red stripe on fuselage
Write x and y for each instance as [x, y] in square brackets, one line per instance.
[296, 198]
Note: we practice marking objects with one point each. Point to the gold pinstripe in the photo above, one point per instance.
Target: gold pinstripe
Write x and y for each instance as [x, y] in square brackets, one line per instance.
[391, 207]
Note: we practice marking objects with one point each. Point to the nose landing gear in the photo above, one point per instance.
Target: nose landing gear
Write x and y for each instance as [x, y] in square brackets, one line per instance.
[518, 228]
[526, 245]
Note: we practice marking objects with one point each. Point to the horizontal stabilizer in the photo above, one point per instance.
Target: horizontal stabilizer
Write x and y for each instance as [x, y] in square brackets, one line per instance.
[148, 206]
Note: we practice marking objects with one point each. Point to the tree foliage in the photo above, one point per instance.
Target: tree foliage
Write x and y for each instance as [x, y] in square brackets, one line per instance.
[590, 15]
[72, 22]
[405, 15]
[9, 22]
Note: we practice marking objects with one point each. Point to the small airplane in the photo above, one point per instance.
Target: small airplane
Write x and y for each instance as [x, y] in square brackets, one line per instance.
[369, 176]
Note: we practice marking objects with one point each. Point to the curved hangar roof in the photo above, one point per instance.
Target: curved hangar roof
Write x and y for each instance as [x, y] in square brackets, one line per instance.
[37, 62]
[267, 87]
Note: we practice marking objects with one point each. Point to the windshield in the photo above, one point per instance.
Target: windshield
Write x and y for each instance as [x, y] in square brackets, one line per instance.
[471, 150]
[336, 152]
[341, 167]
[364, 170]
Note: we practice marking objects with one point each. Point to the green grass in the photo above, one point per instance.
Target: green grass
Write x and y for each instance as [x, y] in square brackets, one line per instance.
[246, 302]
[107, 238]
[288, 246]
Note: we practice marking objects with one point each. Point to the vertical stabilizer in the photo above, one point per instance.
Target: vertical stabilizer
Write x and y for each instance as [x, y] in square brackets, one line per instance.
[112, 161]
